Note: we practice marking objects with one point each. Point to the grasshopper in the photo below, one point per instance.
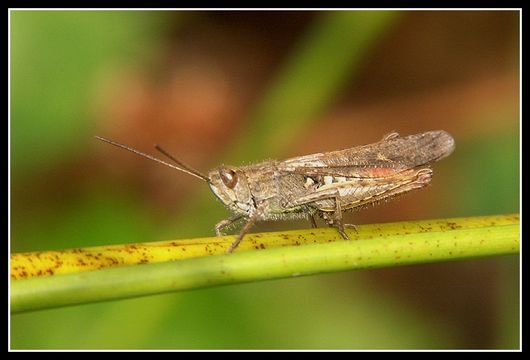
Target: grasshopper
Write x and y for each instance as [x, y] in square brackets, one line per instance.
[321, 185]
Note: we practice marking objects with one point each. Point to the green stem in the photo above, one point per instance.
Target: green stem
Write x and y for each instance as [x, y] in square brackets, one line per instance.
[451, 239]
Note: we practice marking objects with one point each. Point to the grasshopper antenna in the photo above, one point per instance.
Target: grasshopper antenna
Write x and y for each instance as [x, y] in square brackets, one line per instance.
[181, 166]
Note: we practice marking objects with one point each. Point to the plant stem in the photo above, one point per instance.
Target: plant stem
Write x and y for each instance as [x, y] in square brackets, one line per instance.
[376, 246]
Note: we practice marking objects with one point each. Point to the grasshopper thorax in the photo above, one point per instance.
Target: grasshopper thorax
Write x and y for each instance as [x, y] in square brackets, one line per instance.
[231, 187]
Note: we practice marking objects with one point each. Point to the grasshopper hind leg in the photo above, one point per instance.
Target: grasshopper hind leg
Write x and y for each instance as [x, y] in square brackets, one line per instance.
[334, 219]
[340, 227]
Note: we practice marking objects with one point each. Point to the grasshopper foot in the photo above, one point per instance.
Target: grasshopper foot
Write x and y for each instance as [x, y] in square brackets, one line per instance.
[342, 232]
[352, 226]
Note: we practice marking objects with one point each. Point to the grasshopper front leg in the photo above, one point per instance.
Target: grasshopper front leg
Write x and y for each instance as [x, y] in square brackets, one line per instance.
[251, 221]
[226, 222]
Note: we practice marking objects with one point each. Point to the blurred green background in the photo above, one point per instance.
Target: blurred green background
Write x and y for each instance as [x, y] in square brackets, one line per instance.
[239, 87]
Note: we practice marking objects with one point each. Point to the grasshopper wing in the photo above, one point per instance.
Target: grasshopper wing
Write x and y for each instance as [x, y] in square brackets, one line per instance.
[391, 155]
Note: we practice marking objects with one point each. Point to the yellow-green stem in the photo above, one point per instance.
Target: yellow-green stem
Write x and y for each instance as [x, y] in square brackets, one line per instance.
[373, 246]
[31, 264]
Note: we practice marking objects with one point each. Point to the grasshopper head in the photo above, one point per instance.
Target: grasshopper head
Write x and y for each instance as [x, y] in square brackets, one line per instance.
[231, 187]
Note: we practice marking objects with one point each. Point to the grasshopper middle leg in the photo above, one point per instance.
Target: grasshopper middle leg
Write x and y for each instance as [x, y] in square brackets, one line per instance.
[313, 221]
[332, 218]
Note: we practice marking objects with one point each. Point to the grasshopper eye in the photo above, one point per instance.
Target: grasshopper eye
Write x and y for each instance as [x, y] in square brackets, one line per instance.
[229, 177]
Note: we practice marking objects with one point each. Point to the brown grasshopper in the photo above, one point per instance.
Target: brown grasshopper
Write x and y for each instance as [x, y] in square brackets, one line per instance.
[322, 184]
